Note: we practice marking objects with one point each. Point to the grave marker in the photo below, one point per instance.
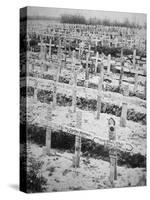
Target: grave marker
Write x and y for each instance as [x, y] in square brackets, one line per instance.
[99, 94]
[123, 115]
[134, 59]
[108, 63]
[74, 91]
[121, 70]
[87, 67]
[56, 79]
[48, 130]
[135, 82]
[112, 151]
[76, 158]
[42, 50]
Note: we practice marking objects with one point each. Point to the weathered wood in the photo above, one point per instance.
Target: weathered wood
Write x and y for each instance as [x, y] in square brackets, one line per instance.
[50, 46]
[87, 67]
[96, 61]
[42, 55]
[123, 117]
[76, 158]
[121, 71]
[135, 82]
[55, 87]
[74, 91]
[108, 63]
[112, 151]
[134, 59]
[99, 94]
[47, 148]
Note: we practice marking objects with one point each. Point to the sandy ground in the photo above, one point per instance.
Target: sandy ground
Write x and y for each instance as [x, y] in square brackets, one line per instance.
[92, 173]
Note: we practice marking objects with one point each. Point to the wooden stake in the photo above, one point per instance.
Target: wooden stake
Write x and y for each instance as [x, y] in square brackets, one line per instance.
[74, 92]
[112, 151]
[135, 83]
[55, 88]
[50, 43]
[48, 130]
[87, 68]
[108, 63]
[76, 158]
[100, 84]
[134, 59]
[123, 115]
[121, 71]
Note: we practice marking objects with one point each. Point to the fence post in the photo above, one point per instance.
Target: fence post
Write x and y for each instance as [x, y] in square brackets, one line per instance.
[76, 158]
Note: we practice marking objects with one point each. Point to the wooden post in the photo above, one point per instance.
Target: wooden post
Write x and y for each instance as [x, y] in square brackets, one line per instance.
[48, 130]
[76, 158]
[55, 88]
[112, 151]
[74, 92]
[123, 115]
[42, 50]
[121, 70]
[87, 68]
[108, 63]
[145, 89]
[35, 91]
[50, 50]
[134, 59]
[135, 82]
[96, 62]
[100, 84]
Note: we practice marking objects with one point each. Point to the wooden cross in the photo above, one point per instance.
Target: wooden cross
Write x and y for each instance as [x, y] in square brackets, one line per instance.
[99, 94]
[123, 117]
[121, 71]
[42, 50]
[96, 60]
[50, 47]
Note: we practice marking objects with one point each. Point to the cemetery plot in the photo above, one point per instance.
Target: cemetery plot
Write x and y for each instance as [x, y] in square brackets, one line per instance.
[85, 92]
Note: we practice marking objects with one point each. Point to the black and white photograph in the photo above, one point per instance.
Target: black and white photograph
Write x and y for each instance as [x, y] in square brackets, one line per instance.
[83, 99]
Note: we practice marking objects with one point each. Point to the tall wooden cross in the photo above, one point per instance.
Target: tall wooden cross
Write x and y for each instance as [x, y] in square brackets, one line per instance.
[42, 50]
[96, 60]
[99, 94]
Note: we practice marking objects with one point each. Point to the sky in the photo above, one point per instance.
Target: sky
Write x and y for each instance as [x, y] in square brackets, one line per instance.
[139, 18]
